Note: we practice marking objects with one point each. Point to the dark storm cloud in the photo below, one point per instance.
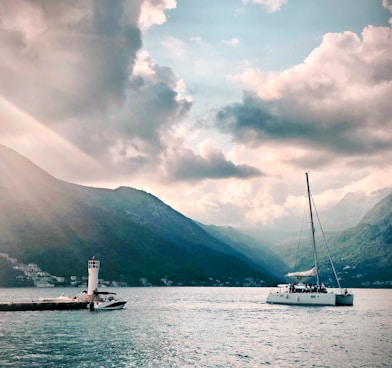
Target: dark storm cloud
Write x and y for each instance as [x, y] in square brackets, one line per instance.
[150, 108]
[251, 121]
[70, 58]
[71, 66]
[190, 166]
[255, 121]
[112, 50]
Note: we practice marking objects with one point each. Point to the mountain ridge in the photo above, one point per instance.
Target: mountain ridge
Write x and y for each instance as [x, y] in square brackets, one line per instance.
[60, 225]
[362, 254]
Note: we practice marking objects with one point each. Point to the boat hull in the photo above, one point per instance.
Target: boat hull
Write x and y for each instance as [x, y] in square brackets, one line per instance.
[345, 299]
[287, 298]
[113, 305]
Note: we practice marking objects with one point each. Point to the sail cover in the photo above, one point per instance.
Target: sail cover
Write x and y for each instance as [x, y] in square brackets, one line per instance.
[311, 272]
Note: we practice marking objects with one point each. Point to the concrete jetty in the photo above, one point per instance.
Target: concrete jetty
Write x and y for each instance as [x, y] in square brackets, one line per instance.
[42, 305]
[92, 300]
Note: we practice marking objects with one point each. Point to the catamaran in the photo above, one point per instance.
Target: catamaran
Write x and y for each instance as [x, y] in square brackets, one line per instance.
[299, 293]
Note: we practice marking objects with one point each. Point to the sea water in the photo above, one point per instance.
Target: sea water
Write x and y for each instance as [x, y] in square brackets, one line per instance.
[198, 327]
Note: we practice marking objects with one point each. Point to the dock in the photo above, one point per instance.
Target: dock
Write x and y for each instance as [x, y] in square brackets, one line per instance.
[42, 305]
[90, 300]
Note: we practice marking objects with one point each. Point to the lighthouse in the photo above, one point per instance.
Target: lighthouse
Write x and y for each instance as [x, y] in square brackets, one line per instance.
[93, 269]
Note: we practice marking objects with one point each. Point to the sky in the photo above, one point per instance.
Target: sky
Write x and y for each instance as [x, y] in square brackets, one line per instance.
[216, 107]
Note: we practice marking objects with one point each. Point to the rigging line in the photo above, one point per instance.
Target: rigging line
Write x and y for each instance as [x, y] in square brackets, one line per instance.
[326, 244]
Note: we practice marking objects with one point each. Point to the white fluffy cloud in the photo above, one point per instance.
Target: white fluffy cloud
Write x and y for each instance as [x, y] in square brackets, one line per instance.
[153, 12]
[337, 100]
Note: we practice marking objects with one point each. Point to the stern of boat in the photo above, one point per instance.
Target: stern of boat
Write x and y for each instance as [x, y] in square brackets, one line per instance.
[345, 299]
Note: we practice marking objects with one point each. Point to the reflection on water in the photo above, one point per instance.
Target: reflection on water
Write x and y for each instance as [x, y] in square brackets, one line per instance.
[199, 327]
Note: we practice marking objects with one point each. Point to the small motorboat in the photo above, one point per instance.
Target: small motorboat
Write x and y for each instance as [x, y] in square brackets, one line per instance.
[105, 300]
[99, 300]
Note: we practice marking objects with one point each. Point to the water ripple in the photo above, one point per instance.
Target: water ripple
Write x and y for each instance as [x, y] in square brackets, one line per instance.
[201, 327]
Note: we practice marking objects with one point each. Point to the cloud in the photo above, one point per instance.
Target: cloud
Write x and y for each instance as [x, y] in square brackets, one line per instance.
[336, 101]
[270, 5]
[234, 41]
[78, 68]
[153, 12]
[63, 58]
[184, 164]
[174, 45]
[387, 5]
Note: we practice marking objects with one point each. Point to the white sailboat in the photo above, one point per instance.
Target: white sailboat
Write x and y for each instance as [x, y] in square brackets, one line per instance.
[299, 293]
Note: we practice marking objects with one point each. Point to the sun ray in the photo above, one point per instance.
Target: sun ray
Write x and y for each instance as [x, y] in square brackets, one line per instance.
[22, 132]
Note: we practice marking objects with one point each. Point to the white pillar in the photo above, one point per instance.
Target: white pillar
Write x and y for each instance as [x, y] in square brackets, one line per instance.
[93, 269]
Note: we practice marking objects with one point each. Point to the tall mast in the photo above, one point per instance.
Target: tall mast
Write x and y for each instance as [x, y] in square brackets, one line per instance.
[313, 230]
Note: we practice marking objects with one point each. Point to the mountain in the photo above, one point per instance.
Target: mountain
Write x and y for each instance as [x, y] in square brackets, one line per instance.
[362, 254]
[59, 226]
[251, 249]
[351, 208]
[344, 214]
[366, 249]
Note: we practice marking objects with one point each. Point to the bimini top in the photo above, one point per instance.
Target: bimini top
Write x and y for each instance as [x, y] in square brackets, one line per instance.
[309, 273]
